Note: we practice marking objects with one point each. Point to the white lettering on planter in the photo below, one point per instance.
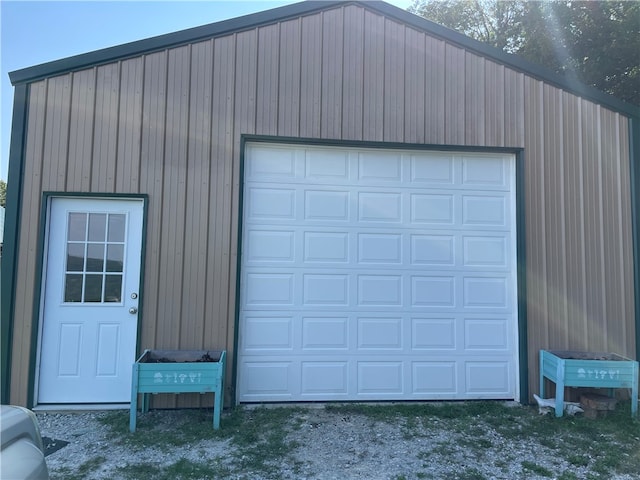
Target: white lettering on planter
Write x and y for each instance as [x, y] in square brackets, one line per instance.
[189, 377]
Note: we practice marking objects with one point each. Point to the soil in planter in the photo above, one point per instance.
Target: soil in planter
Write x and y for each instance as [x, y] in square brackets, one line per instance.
[204, 358]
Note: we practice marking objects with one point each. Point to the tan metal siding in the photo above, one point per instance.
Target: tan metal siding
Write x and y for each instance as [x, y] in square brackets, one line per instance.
[26, 266]
[289, 81]
[168, 124]
[353, 78]
[129, 126]
[81, 131]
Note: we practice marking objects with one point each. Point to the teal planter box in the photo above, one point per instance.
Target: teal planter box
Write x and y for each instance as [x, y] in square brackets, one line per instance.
[177, 371]
[585, 369]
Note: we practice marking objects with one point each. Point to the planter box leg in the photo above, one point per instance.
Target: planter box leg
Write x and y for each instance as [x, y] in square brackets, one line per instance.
[133, 409]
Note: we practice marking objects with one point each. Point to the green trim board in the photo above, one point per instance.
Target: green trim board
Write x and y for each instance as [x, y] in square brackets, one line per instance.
[521, 274]
[634, 180]
[38, 284]
[521, 260]
[246, 22]
[12, 222]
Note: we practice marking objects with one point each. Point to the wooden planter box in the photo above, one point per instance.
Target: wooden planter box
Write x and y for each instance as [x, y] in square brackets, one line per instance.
[177, 371]
[585, 369]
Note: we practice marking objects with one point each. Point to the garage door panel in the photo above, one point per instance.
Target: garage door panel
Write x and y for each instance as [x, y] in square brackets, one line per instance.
[488, 377]
[379, 167]
[266, 289]
[375, 207]
[382, 378]
[325, 247]
[490, 334]
[433, 291]
[490, 172]
[270, 246]
[432, 169]
[433, 249]
[324, 377]
[487, 292]
[271, 203]
[326, 205]
[380, 290]
[433, 334]
[379, 333]
[325, 333]
[377, 275]
[435, 378]
[485, 210]
[485, 251]
[264, 333]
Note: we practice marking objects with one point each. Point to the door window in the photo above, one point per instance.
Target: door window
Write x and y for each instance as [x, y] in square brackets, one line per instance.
[95, 257]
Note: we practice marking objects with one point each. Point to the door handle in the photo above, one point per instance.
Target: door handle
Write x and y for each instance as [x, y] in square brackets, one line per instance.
[133, 310]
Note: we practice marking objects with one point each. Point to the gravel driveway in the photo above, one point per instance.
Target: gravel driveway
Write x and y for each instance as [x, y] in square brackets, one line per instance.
[319, 443]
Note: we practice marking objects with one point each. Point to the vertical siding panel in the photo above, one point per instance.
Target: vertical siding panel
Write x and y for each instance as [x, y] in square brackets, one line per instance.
[151, 179]
[289, 83]
[106, 128]
[26, 264]
[332, 60]
[243, 122]
[454, 107]
[197, 197]
[130, 126]
[626, 252]
[596, 308]
[494, 104]
[353, 71]
[574, 217]
[535, 222]
[172, 255]
[217, 332]
[267, 88]
[81, 131]
[192, 315]
[514, 108]
[554, 213]
[310, 76]
[415, 79]
[372, 124]
[435, 91]
[56, 135]
[474, 105]
[394, 82]
[612, 240]
[245, 86]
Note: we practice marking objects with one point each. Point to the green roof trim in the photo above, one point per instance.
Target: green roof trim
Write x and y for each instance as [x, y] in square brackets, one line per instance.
[266, 17]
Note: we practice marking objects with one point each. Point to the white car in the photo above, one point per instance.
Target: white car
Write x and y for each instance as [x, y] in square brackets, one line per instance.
[22, 453]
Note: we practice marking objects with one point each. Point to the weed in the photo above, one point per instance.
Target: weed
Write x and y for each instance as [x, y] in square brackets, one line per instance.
[567, 475]
[471, 474]
[535, 468]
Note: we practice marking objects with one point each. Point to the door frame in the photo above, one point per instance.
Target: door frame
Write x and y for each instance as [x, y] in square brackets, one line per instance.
[38, 287]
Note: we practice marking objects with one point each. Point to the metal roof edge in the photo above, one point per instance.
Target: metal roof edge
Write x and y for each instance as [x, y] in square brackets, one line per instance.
[245, 22]
[168, 40]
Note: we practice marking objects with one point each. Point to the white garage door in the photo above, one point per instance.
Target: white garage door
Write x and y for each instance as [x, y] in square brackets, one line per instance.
[371, 274]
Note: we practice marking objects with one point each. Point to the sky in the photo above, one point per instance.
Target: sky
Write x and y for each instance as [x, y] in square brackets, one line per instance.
[35, 32]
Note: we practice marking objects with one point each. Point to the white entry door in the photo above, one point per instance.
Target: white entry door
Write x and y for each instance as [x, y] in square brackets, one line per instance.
[91, 288]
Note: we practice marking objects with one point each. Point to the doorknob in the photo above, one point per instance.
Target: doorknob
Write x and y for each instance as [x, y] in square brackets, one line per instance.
[133, 310]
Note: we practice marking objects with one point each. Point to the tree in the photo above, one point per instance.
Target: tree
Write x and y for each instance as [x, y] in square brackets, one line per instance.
[3, 193]
[595, 42]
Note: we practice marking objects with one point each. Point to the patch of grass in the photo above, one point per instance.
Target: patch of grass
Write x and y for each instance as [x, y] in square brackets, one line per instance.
[183, 469]
[259, 437]
[471, 474]
[80, 472]
[535, 468]
[567, 475]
